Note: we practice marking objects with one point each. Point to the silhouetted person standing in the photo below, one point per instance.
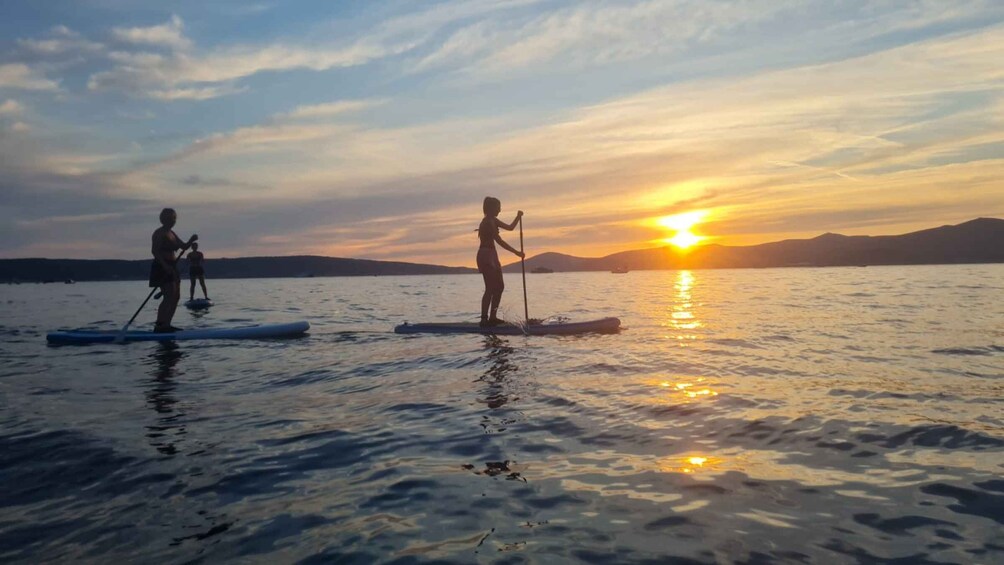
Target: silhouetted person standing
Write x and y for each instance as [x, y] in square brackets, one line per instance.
[488, 258]
[164, 269]
[196, 271]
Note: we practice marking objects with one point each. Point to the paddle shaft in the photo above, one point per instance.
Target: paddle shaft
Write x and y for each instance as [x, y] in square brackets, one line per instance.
[522, 264]
[131, 320]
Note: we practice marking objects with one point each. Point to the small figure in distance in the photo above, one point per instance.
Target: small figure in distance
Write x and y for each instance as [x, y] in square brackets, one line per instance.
[164, 269]
[488, 258]
[196, 271]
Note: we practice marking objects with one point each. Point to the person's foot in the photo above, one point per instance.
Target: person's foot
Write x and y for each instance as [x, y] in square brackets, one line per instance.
[483, 323]
[495, 321]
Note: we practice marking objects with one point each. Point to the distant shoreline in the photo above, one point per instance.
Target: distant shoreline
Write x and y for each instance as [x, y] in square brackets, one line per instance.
[979, 241]
[474, 272]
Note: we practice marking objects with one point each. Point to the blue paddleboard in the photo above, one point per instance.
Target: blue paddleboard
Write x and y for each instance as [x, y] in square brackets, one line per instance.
[198, 303]
[247, 332]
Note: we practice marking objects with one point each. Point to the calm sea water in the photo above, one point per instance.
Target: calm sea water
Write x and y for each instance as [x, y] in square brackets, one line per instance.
[780, 415]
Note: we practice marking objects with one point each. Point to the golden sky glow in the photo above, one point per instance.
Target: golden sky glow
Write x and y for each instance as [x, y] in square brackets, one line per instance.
[681, 225]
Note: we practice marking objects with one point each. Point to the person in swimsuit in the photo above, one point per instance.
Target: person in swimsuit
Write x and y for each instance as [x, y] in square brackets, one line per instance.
[164, 269]
[488, 258]
[196, 271]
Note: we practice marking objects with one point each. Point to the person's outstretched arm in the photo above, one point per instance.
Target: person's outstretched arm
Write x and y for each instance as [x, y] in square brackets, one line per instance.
[498, 239]
[191, 240]
[512, 226]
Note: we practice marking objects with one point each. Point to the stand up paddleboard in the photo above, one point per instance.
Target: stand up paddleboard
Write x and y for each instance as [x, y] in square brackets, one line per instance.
[198, 303]
[603, 325]
[248, 332]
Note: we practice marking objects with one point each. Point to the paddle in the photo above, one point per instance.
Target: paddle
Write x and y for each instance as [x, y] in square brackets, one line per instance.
[121, 335]
[120, 338]
[522, 264]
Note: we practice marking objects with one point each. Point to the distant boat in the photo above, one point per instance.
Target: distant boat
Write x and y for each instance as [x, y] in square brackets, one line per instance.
[619, 270]
[542, 270]
[70, 281]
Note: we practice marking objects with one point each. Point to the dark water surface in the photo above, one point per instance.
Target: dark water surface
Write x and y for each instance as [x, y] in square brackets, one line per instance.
[755, 416]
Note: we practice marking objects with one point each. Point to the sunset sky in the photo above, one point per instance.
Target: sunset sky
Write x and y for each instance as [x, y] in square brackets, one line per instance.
[374, 129]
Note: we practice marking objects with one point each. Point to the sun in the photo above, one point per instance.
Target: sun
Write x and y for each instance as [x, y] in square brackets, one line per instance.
[684, 240]
[682, 224]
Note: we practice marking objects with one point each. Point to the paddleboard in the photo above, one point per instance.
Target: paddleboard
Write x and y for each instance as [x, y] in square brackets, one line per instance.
[603, 325]
[198, 303]
[248, 332]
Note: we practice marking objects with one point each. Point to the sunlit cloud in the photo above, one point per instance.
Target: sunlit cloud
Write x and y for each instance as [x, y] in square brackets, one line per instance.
[170, 34]
[60, 41]
[10, 107]
[330, 109]
[23, 77]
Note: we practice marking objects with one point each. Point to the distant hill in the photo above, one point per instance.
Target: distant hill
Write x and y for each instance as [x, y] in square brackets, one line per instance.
[58, 270]
[976, 241]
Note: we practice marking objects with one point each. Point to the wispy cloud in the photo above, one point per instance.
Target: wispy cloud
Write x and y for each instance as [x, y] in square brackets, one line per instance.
[204, 93]
[331, 109]
[580, 36]
[186, 73]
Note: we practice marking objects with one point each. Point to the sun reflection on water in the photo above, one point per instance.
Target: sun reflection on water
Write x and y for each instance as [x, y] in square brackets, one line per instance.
[695, 389]
[690, 464]
[682, 317]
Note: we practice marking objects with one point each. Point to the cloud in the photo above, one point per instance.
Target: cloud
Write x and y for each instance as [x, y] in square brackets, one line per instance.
[194, 93]
[20, 127]
[332, 108]
[10, 107]
[49, 222]
[691, 37]
[185, 73]
[61, 42]
[23, 77]
[217, 182]
[170, 35]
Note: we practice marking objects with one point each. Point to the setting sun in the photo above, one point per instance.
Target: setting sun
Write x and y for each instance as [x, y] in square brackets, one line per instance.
[681, 224]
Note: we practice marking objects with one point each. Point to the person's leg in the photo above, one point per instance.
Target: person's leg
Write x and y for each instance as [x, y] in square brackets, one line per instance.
[164, 312]
[172, 301]
[497, 287]
[486, 298]
[202, 282]
[191, 291]
[485, 268]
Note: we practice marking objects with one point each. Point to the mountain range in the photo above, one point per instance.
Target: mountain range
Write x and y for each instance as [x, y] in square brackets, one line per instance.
[976, 241]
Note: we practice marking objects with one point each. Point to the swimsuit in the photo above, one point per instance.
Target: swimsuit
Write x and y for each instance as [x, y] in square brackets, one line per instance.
[159, 277]
[488, 256]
